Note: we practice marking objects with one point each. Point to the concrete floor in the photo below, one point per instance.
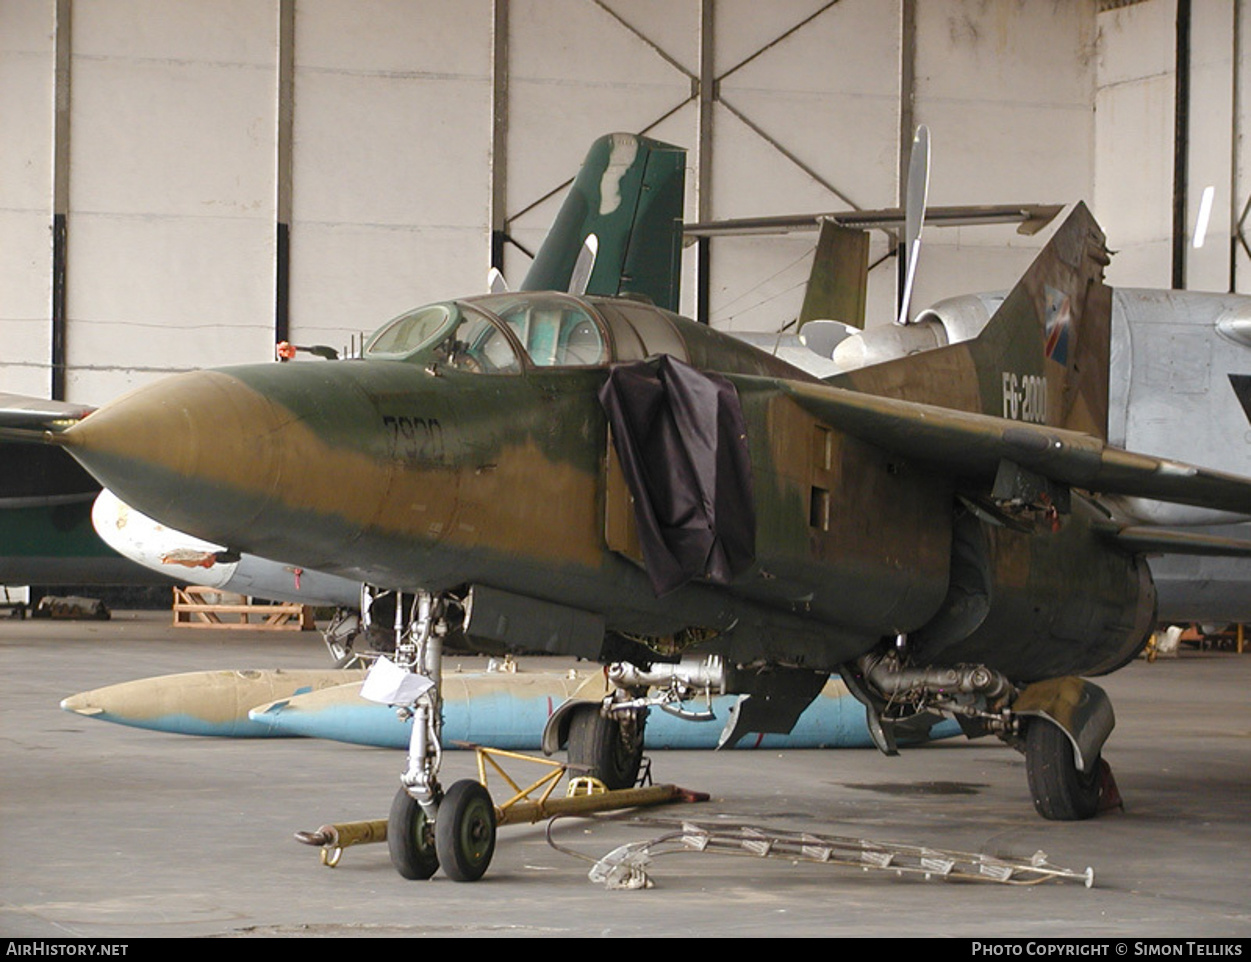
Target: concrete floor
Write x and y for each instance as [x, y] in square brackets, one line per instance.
[114, 832]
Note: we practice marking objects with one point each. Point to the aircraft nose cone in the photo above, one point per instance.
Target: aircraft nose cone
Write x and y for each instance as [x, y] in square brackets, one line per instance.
[313, 465]
[195, 451]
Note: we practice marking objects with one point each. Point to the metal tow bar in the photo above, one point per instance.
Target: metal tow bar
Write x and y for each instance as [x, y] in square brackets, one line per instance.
[525, 805]
[626, 866]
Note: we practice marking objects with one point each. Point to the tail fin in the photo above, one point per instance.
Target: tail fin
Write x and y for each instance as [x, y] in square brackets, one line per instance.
[839, 279]
[629, 194]
[1043, 356]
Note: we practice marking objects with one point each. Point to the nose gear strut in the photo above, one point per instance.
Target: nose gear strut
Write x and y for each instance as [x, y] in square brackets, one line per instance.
[427, 827]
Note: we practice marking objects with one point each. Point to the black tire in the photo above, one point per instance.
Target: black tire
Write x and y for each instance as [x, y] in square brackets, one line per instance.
[1060, 791]
[464, 832]
[410, 839]
[597, 747]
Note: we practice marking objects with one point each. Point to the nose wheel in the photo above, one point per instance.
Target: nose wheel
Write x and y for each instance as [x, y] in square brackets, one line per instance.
[411, 839]
[464, 832]
[461, 839]
[428, 829]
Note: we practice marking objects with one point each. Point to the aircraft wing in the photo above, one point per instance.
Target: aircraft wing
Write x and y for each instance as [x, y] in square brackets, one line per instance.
[25, 418]
[974, 445]
[1150, 540]
[1031, 218]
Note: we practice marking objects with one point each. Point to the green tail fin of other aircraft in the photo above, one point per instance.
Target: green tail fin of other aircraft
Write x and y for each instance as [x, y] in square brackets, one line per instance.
[1043, 357]
[628, 194]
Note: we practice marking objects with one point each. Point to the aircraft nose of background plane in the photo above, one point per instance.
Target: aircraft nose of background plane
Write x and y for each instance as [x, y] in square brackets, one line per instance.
[184, 448]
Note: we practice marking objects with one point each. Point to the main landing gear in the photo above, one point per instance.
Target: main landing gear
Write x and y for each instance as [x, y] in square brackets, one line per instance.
[609, 748]
[605, 737]
[1060, 724]
[1061, 791]
[428, 828]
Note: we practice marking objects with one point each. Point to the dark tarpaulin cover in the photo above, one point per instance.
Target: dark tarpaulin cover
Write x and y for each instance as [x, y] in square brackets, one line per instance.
[682, 443]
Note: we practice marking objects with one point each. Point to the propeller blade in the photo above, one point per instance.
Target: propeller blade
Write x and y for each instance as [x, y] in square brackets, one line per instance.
[914, 208]
[582, 268]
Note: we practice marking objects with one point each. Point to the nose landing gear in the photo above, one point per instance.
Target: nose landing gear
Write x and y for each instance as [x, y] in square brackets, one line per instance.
[428, 829]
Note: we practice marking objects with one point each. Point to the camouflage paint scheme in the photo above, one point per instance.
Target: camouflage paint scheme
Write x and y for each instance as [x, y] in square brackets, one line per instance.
[423, 471]
[628, 177]
[937, 497]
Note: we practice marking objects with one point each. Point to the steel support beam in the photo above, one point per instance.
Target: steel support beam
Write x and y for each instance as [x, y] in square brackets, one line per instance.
[63, 51]
[760, 132]
[282, 170]
[660, 52]
[1181, 142]
[707, 89]
[907, 120]
[1236, 214]
[498, 212]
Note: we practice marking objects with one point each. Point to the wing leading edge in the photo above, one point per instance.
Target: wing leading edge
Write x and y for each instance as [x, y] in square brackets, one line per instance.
[973, 446]
[35, 420]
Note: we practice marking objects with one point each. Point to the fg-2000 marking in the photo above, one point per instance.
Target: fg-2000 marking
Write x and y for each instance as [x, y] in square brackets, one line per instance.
[1025, 397]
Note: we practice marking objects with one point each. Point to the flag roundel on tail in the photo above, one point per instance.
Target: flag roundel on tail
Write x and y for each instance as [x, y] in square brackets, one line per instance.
[1058, 319]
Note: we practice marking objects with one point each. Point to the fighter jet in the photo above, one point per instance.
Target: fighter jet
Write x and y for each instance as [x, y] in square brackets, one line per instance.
[598, 476]
[1179, 367]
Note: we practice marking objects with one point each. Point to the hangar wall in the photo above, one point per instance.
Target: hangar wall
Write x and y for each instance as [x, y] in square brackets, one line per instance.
[170, 219]
[391, 160]
[26, 73]
[421, 131]
[1137, 117]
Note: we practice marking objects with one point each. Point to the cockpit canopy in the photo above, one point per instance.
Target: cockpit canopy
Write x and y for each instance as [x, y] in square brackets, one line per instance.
[498, 334]
[509, 333]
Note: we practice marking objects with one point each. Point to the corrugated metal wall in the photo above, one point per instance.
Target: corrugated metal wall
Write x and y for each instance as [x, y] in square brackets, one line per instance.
[418, 126]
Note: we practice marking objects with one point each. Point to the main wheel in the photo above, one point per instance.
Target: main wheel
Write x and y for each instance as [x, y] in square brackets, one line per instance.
[599, 747]
[1060, 790]
[464, 832]
[410, 838]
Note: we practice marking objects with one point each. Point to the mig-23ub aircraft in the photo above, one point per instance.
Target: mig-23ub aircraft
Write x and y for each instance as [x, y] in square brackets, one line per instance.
[600, 477]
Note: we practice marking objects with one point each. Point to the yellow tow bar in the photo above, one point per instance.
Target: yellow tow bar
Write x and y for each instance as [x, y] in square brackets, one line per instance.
[584, 796]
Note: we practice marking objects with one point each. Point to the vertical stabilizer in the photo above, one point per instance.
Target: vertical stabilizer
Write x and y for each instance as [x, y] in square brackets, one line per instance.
[1043, 357]
[629, 195]
[838, 283]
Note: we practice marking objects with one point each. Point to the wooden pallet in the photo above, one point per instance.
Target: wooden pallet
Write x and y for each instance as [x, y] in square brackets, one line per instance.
[197, 606]
[1229, 637]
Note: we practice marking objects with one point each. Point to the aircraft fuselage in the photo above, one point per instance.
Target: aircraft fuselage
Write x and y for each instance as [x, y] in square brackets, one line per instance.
[432, 473]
